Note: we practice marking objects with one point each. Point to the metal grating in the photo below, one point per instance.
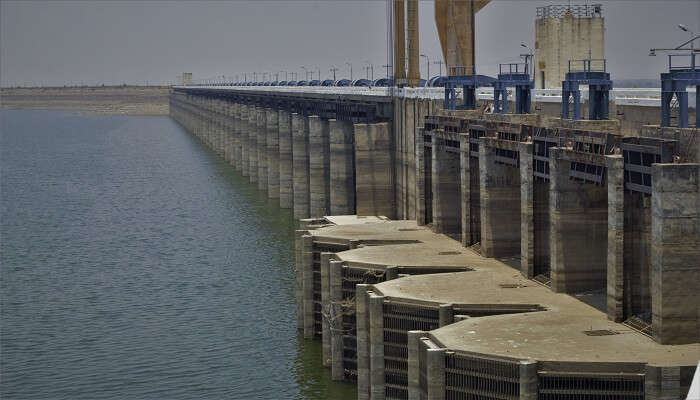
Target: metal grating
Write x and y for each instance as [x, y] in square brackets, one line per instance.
[351, 278]
[603, 386]
[600, 332]
[639, 325]
[543, 280]
[639, 154]
[469, 377]
[399, 318]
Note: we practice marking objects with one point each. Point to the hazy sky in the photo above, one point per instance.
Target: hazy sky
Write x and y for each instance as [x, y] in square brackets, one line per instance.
[72, 42]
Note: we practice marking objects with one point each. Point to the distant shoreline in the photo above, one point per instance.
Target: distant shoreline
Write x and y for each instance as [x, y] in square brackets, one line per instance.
[105, 100]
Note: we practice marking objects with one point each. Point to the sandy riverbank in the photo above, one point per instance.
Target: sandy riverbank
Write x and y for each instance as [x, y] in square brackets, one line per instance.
[129, 100]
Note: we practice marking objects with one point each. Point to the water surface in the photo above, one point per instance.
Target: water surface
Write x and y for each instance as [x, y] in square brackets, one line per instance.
[136, 264]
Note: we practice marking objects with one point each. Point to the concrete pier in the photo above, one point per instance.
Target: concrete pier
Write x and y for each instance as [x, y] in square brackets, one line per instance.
[319, 171]
[253, 144]
[245, 143]
[273, 151]
[300, 165]
[262, 147]
[342, 168]
[285, 160]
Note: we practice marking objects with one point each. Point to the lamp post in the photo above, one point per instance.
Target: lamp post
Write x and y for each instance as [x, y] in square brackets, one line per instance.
[427, 64]
[349, 64]
[333, 70]
[529, 57]
[306, 73]
[370, 68]
[388, 68]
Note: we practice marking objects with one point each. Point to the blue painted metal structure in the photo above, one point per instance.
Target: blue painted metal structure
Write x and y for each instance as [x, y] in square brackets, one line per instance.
[469, 83]
[674, 83]
[516, 76]
[328, 82]
[591, 72]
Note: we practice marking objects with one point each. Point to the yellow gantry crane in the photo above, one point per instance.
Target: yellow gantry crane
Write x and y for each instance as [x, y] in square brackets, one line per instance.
[455, 26]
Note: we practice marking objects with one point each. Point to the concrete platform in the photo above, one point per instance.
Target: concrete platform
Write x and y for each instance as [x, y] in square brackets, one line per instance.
[532, 335]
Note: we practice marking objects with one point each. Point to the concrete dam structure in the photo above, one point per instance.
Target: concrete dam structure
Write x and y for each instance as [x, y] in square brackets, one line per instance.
[460, 254]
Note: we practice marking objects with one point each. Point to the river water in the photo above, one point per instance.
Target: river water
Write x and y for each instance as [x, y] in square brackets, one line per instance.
[135, 264]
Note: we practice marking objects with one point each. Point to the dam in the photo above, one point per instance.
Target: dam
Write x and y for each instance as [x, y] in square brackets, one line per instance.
[533, 235]
[566, 251]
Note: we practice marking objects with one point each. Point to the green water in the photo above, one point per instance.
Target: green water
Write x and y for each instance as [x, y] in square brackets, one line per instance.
[135, 264]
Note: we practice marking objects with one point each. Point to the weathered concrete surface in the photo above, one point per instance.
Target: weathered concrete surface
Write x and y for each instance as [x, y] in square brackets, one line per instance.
[285, 159]
[446, 196]
[319, 167]
[675, 251]
[500, 204]
[262, 148]
[579, 233]
[253, 144]
[374, 173]
[300, 156]
[342, 168]
[273, 152]
[245, 142]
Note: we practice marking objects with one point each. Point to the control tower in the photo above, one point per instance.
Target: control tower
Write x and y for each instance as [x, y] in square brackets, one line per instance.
[563, 33]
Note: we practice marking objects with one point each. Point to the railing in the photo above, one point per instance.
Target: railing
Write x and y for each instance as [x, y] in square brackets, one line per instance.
[577, 11]
[692, 64]
[461, 70]
[513, 68]
[588, 65]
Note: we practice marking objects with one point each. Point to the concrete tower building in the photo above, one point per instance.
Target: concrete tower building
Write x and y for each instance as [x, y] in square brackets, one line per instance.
[564, 33]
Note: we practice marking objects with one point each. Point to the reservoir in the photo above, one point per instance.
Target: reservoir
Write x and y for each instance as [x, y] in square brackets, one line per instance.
[137, 264]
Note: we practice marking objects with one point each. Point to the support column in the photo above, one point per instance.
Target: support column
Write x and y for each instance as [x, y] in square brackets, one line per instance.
[435, 359]
[465, 192]
[336, 328]
[236, 152]
[342, 168]
[300, 157]
[376, 340]
[308, 285]
[500, 204]
[273, 153]
[253, 143]
[285, 159]
[528, 380]
[374, 185]
[527, 210]
[420, 177]
[616, 234]
[243, 138]
[414, 338]
[662, 383]
[327, 309]
[319, 168]
[675, 251]
[262, 149]
[362, 339]
[299, 275]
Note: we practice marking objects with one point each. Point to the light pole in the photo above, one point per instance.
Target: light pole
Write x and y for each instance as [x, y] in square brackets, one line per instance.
[529, 57]
[333, 70]
[427, 64]
[319, 73]
[349, 64]
[684, 28]
[370, 68]
[439, 63]
[306, 73]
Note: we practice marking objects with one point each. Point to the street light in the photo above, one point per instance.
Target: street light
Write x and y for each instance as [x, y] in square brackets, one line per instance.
[370, 67]
[684, 28]
[306, 73]
[333, 69]
[427, 64]
[347, 63]
[530, 55]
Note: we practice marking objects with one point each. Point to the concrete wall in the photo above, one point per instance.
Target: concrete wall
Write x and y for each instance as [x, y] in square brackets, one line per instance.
[374, 170]
[558, 40]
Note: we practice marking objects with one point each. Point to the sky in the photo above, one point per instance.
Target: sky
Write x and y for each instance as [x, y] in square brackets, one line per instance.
[55, 43]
